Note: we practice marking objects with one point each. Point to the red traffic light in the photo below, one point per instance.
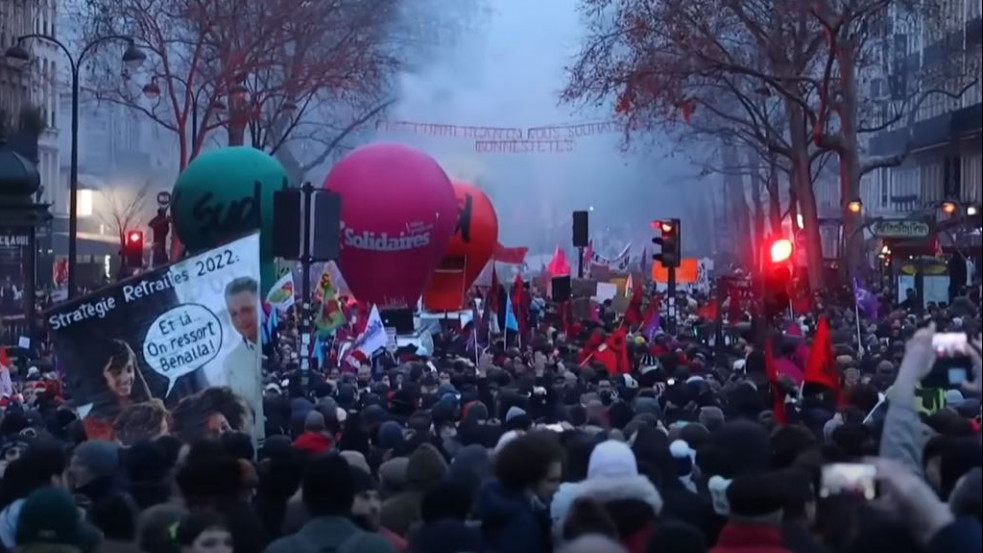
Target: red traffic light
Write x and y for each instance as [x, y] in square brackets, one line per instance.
[134, 237]
[781, 250]
[665, 227]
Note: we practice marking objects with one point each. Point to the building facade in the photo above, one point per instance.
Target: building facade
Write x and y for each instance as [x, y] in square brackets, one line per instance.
[16, 19]
[945, 163]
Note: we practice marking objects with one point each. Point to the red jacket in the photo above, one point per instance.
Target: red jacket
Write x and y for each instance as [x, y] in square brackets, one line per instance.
[313, 442]
[749, 538]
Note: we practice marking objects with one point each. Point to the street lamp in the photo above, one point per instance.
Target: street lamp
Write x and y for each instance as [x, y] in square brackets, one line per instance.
[855, 207]
[151, 90]
[18, 56]
[972, 211]
[948, 208]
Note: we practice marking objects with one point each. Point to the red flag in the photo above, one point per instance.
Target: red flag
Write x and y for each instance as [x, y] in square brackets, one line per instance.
[633, 313]
[821, 368]
[4, 359]
[492, 298]
[520, 306]
[594, 341]
[510, 256]
[708, 311]
[558, 266]
[613, 353]
[777, 397]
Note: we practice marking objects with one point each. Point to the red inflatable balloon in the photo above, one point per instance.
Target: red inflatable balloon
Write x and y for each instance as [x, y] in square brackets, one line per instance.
[467, 253]
[397, 213]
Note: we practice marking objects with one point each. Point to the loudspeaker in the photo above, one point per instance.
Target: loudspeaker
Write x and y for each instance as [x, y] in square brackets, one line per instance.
[400, 319]
[560, 288]
[288, 223]
[325, 226]
[580, 233]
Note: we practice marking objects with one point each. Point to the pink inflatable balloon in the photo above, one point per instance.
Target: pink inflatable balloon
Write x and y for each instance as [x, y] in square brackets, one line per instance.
[398, 211]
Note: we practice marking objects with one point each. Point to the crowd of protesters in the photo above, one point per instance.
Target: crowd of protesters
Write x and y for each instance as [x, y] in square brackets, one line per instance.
[535, 449]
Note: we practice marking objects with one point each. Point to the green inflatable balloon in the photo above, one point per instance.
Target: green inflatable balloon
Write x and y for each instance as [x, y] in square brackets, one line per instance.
[226, 193]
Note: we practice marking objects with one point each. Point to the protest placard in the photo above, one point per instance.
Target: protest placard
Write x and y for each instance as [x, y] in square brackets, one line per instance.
[175, 346]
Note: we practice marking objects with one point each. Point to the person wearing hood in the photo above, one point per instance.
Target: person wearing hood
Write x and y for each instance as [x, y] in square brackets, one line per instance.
[93, 472]
[366, 507]
[613, 481]
[754, 524]
[38, 468]
[514, 507]
[315, 439]
[444, 515]
[425, 469]
[329, 494]
[50, 523]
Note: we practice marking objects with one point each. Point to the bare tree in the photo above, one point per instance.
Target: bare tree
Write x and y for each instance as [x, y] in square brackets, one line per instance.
[123, 209]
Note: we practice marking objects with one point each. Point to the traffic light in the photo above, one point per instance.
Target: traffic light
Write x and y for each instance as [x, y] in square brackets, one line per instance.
[668, 241]
[133, 249]
[777, 277]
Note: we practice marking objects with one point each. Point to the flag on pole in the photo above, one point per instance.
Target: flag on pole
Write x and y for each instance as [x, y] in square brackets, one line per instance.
[511, 323]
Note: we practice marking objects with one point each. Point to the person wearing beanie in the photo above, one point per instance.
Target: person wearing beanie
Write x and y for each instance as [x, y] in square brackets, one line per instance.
[94, 472]
[684, 460]
[366, 508]
[756, 514]
[444, 515]
[356, 460]
[50, 518]
[426, 469]
[614, 482]
[712, 418]
[517, 419]
[390, 436]
[315, 438]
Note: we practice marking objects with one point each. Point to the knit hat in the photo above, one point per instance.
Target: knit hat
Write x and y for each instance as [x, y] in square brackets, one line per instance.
[682, 456]
[513, 413]
[100, 458]
[712, 417]
[374, 415]
[49, 516]
[314, 421]
[356, 460]
[612, 459]
[390, 435]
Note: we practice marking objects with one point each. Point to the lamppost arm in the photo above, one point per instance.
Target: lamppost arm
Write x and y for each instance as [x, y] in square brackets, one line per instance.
[52, 40]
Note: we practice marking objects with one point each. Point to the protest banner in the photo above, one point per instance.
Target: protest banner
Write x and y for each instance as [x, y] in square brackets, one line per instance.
[173, 350]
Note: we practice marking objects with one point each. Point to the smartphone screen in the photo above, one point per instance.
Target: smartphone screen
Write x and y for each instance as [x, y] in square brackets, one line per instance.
[854, 479]
[950, 344]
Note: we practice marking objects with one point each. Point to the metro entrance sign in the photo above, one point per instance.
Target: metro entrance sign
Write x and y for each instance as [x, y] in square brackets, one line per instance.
[902, 228]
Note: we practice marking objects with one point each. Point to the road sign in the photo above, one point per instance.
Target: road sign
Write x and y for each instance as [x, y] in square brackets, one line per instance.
[902, 228]
[163, 199]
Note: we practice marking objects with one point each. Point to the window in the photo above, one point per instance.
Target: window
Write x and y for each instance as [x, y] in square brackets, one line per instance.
[885, 181]
[973, 9]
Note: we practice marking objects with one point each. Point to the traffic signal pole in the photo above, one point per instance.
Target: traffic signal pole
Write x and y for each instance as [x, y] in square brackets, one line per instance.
[671, 321]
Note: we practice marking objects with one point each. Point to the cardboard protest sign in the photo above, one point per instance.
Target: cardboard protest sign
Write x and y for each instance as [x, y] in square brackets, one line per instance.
[583, 288]
[182, 338]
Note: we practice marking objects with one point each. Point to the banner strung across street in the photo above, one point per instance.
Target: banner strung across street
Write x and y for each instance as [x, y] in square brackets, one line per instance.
[177, 345]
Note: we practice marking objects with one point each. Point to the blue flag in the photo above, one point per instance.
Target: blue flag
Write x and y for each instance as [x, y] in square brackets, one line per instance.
[511, 323]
